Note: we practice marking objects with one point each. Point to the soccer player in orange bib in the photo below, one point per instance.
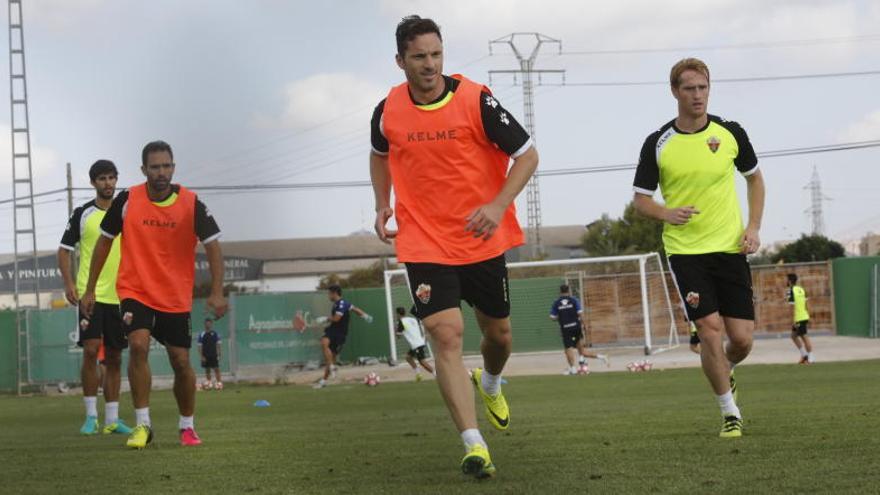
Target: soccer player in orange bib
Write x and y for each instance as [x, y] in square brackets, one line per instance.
[444, 145]
[161, 223]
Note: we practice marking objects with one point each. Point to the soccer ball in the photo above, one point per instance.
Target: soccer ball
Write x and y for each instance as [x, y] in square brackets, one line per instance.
[583, 369]
[218, 386]
[206, 385]
[647, 365]
[372, 379]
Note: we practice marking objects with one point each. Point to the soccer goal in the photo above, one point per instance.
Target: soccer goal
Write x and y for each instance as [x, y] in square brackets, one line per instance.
[626, 301]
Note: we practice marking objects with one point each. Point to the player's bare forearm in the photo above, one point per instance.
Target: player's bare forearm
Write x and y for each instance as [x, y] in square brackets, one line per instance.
[521, 171]
[751, 240]
[646, 205]
[756, 191]
[484, 220]
[216, 301]
[65, 262]
[380, 176]
[215, 263]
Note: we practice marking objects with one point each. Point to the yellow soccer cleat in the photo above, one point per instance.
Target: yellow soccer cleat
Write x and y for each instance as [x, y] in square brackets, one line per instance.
[140, 437]
[477, 463]
[732, 427]
[497, 411]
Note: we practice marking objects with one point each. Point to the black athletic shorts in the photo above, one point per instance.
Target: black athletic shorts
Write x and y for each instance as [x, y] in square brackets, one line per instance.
[420, 353]
[713, 282]
[104, 322]
[571, 336]
[337, 340]
[483, 285]
[174, 329]
[210, 363]
[800, 328]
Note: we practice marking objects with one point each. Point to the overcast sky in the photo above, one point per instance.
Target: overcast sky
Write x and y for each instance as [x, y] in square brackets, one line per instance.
[278, 92]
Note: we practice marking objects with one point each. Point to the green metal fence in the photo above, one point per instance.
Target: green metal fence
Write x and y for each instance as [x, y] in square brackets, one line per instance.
[853, 295]
[8, 367]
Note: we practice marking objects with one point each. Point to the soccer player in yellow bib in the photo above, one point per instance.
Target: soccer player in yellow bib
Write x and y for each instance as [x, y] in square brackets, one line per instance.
[797, 297]
[104, 325]
[693, 159]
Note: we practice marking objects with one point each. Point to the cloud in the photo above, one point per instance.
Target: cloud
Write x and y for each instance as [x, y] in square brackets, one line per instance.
[866, 129]
[320, 98]
[46, 165]
[647, 24]
[60, 15]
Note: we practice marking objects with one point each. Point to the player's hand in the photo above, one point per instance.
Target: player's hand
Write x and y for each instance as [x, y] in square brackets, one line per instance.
[484, 220]
[750, 241]
[368, 318]
[87, 303]
[680, 216]
[70, 294]
[382, 217]
[217, 304]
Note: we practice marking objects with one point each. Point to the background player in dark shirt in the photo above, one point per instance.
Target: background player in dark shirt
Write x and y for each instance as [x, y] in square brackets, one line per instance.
[567, 311]
[210, 350]
[337, 331]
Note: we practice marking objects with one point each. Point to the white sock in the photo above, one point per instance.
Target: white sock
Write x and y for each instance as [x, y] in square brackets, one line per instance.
[472, 437]
[491, 383]
[809, 356]
[803, 351]
[111, 412]
[91, 405]
[573, 369]
[582, 360]
[186, 422]
[142, 416]
[728, 407]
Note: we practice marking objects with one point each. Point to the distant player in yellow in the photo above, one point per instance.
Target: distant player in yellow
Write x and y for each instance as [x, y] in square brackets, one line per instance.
[104, 326]
[797, 297]
[693, 160]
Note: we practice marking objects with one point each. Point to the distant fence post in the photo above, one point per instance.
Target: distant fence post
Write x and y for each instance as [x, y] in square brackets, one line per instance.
[232, 341]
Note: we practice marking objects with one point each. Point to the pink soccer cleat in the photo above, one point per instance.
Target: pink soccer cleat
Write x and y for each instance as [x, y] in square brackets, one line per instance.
[189, 438]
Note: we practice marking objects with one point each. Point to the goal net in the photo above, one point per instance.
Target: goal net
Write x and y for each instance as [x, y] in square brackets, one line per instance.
[626, 302]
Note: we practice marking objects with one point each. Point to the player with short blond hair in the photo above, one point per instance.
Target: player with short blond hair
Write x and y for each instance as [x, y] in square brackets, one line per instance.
[693, 159]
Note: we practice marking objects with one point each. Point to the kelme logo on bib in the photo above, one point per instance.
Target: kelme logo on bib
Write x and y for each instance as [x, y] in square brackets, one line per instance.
[423, 292]
[693, 299]
[713, 143]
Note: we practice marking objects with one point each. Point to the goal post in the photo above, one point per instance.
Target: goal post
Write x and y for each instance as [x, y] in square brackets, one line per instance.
[626, 302]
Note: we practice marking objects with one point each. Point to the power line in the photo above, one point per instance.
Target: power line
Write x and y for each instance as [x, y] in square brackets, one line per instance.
[805, 150]
[731, 46]
[728, 79]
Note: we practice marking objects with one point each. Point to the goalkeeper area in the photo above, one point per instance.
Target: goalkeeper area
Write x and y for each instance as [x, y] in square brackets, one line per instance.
[809, 429]
[627, 302]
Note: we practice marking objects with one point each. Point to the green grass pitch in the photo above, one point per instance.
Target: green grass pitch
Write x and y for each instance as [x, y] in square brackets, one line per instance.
[809, 429]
